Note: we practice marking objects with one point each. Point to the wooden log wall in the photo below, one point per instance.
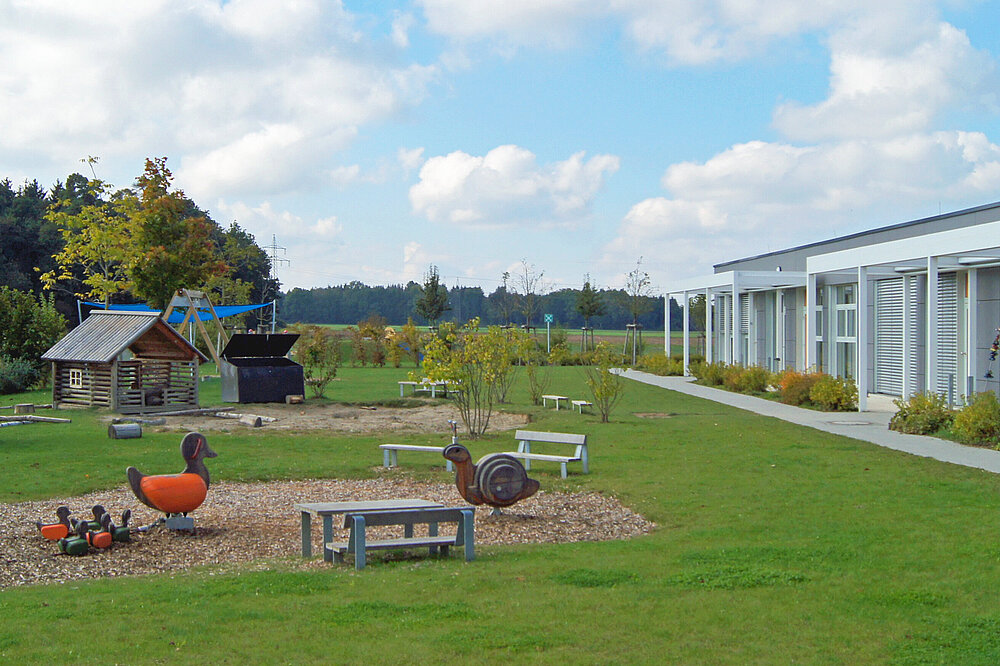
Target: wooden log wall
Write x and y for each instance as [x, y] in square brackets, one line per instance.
[95, 389]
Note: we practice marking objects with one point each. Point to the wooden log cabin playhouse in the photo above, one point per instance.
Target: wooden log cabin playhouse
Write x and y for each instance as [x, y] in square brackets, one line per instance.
[130, 362]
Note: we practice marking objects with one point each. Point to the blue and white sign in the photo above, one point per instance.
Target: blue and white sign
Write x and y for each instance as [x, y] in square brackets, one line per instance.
[548, 319]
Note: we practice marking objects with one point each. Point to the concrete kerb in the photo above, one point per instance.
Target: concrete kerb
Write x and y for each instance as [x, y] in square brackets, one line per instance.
[869, 426]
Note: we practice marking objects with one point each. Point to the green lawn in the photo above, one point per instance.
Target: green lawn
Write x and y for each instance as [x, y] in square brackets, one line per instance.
[776, 544]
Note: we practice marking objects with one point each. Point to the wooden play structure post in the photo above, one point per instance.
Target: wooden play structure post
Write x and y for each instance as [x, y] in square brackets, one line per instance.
[193, 300]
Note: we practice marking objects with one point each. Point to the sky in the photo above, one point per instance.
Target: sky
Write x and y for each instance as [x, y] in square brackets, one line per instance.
[371, 140]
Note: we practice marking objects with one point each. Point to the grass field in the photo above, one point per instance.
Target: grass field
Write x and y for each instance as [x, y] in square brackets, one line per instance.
[776, 544]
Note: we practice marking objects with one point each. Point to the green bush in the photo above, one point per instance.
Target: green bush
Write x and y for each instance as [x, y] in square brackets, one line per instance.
[753, 379]
[711, 374]
[662, 365]
[979, 421]
[17, 375]
[837, 394]
[922, 414]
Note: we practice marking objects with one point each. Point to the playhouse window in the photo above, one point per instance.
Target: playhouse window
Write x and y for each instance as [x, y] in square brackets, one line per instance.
[76, 378]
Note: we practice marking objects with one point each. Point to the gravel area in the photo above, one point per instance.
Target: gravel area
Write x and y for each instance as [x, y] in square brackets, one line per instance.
[246, 524]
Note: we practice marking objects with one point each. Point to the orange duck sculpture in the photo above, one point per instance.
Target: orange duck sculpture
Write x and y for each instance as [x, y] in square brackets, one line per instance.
[497, 480]
[177, 494]
[57, 530]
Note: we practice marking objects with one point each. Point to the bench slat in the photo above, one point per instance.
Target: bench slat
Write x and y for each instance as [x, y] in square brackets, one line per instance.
[407, 516]
[542, 456]
[551, 437]
[403, 542]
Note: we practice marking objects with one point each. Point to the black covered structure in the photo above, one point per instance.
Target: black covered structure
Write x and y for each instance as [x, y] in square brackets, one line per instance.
[254, 368]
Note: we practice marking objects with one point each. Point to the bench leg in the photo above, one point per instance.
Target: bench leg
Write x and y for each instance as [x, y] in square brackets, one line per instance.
[408, 531]
[385, 457]
[395, 457]
[327, 536]
[468, 537]
[357, 541]
[432, 530]
[338, 557]
[562, 468]
[585, 459]
[448, 465]
[306, 534]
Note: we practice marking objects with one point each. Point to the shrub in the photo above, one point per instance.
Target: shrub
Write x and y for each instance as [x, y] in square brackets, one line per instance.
[606, 386]
[662, 365]
[979, 421]
[837, 394]
[922, 414]
[796, 386]
[16, 375]
[318, 350]
[560, 354]
[711, 374]
[753, 379]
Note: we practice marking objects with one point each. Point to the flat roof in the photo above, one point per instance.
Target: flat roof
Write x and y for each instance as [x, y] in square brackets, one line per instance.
[861, 234]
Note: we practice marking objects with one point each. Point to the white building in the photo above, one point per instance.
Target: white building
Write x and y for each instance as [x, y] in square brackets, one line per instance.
[901, 309]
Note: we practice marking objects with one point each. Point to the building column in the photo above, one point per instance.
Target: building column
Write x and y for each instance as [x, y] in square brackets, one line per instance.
[861, 339]
[666, 327]
[908, 325]
[737, 356]
[687, 334]
[709, 320]
[972, 359]
[812, 346]
[930, 383]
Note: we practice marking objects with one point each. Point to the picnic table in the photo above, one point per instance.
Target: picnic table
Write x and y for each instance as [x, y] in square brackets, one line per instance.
[327, 510]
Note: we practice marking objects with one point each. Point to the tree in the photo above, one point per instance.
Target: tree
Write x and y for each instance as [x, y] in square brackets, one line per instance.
[589, 304]
[472, 363]
[29, 325]
[529, 290]
[638, 291]
[433, 300]
[98, 244]
[173, 250]
[605, 386]
[318, 350]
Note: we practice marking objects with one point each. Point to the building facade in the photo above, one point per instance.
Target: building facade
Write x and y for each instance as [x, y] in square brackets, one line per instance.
[912, 307]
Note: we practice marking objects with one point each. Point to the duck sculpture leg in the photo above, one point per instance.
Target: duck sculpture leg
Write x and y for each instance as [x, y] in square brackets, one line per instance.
[176, 495]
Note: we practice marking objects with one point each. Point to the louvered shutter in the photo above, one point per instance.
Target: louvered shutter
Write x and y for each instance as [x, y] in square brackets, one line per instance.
[947, 332]
[889, 336]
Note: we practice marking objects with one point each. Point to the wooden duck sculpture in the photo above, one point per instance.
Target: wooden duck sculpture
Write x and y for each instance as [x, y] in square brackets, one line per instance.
[498, 479]
[176, 493]
[122, 533]
[57, 530]
[99, 513]
[102, 537]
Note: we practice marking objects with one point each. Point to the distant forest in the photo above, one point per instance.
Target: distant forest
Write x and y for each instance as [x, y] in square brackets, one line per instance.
[355, 302]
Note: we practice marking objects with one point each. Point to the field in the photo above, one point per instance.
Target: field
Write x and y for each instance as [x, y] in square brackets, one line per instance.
[775, 544]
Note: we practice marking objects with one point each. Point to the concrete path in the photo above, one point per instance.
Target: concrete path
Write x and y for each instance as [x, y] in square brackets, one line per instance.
[866, 426]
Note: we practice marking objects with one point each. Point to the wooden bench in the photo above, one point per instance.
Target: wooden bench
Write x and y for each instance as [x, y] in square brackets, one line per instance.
[525, 438]
[390, 459]
[425, 386]
[556, 398]
[358, 544]
[580, 404]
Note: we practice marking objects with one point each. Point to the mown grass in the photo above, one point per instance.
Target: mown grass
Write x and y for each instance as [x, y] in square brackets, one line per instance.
[775, 544]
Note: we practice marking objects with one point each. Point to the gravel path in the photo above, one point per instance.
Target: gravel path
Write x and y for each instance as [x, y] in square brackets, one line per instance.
[246, 522]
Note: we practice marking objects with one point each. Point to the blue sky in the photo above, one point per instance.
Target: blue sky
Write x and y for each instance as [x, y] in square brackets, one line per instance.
[372, 140]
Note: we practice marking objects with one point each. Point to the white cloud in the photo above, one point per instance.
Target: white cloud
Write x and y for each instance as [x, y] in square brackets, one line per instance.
[759, 197]
[410, 159]
[507, 186]
[880, 90]
[254, 95]
[328, 226]
[512, 23]
[401, 25]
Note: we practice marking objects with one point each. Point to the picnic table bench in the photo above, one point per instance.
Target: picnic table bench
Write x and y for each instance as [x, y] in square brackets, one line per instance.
[556, 398]
[327, 510]
[580, 404]
[425, 385]
[358, 522]
[390, 458]
[525, 438]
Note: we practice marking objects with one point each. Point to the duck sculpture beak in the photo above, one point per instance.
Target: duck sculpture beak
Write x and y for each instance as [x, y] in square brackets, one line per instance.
[209, 453]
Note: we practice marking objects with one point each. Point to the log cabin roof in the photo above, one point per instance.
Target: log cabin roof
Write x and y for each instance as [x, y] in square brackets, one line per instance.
[104, 335]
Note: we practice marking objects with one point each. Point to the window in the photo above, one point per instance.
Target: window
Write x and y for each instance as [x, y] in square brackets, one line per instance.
[75, 378]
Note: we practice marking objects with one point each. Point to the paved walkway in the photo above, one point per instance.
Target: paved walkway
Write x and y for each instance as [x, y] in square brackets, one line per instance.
[867, 426]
